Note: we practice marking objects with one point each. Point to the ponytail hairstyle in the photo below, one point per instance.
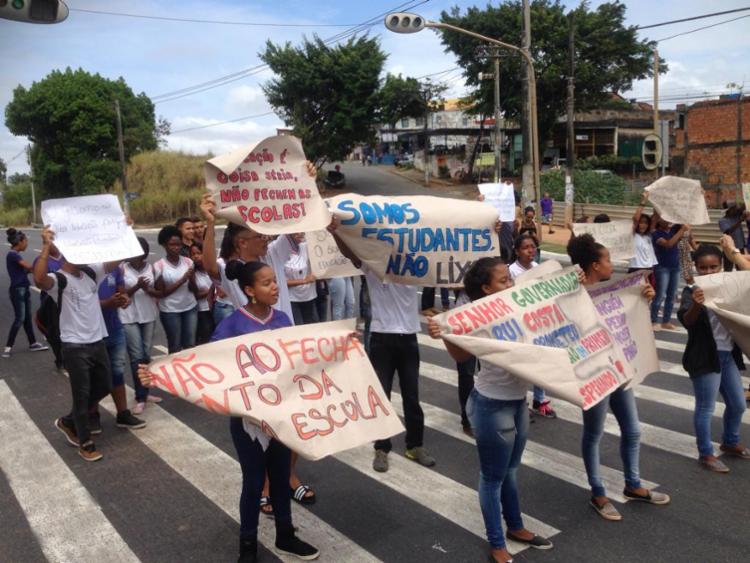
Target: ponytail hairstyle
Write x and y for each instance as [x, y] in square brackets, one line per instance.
[584, 251]
[480, 274]
[14, 236]
[244, 272]
[144, 245]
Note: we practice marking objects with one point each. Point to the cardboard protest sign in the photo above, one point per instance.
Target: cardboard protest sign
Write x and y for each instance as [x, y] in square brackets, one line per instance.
[311, 387]
[502, 198]
[626, 314]
[90, 229]
[326, 260]
[545, 331]
[417, 240]
[728, 295]
[679, 200]
[617, 236]
[746, 194]
[266, 186]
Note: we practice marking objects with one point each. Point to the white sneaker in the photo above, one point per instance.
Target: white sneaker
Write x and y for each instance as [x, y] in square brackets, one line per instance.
[6, 352]
[138, 408]
[154, 399]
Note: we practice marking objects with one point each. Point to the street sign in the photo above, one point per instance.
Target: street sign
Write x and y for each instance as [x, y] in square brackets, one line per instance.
[651, 152]
[34, 11]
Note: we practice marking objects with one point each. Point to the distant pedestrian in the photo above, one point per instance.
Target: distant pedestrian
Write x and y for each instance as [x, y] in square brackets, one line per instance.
[731, 224]
[187, 234]
[528, 225]
[546, 204]
[20, 292]
[645, 257]
[300, 281]
[202, 291]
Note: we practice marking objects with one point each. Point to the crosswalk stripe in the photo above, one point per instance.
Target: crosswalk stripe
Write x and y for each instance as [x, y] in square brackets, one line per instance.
[553, 462]
[65, 518]
[440, 494]
[218, 477]
[654, 436]
[677, 369]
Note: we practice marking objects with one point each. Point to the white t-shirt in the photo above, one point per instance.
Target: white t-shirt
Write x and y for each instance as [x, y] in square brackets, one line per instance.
[226, 299]
[81, 320]
[182, 299]
[644, 252]
[516, 269]
[395, 307]
[278, 253]
[724, 342]
[496, 383]
[298, 268]
[203, 282]
[142, 308]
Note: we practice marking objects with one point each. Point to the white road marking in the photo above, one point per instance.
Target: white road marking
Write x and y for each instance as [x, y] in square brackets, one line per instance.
[65, 518]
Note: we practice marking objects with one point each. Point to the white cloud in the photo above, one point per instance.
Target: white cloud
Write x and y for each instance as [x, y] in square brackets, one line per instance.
[246, 99]
[218, 139]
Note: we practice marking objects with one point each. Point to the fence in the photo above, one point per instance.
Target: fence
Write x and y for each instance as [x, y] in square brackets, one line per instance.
[702, 233]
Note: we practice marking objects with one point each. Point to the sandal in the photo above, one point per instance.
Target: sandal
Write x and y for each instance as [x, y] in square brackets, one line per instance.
[266, 507]
[302, 494]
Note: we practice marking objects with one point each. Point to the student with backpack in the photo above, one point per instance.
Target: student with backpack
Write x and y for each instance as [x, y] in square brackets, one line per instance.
[82, 333]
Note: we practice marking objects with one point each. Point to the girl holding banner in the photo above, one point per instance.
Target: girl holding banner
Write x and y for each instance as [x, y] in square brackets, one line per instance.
[499, 418]
[713, 360]
[258, 453]
[593, 259]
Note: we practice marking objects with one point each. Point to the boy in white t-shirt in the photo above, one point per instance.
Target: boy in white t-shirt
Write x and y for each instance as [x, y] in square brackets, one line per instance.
[82, 332]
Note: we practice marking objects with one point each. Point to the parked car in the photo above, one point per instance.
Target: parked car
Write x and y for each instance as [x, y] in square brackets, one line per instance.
[403, 159]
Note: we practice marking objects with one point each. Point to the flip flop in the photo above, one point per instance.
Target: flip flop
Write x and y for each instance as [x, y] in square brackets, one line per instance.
[266, 507]
[302, 496]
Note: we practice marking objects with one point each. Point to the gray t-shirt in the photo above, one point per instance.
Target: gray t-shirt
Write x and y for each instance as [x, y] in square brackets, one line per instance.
[737, 236]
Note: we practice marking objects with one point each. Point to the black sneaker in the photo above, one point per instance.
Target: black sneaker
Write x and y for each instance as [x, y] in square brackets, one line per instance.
[68, 431]
[248, 551]
[292, 545]
[89, 452]
[95, 423]
[125, 419]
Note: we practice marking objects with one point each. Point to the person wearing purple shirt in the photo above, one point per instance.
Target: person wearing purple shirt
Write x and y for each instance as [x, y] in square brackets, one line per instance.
[258, 453]
[112, 296]
[20, 295]
[667, 271]
[546, 205]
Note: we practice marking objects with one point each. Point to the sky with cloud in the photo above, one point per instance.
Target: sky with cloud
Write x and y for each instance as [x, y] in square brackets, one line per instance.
[160, 57]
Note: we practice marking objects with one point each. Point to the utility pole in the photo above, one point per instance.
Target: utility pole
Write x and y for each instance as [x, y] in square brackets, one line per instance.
[426, 140]
[570, 160]
[121, 149]
[528, 174]
[656, 102]
[498, 130]
[33, 194]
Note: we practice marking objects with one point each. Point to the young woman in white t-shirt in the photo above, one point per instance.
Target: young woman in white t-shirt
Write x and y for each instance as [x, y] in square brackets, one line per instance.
[178, 309]
[203, 286]
[139, 319]
[300, 281]
[643, 226]
[499, 418]
[525, 250]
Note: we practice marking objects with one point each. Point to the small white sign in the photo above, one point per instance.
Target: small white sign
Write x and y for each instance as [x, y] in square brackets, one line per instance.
[502, 198]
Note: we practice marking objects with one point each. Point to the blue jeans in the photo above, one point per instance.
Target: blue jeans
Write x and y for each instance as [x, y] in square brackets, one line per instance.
[180, 329]
[221, 311]
[341, 291]
[116, 350]
[20, 297]
[539, 394]
[667, 280]
[500, 428]
[729, 384]
[139, 338]
[626, 413]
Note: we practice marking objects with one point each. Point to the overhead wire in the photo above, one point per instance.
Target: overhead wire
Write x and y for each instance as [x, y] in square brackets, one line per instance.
[693, 18]
[244, 118]
[701, 28]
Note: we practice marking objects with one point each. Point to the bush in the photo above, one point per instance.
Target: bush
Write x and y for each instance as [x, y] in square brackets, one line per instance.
[20, 216]
[591, 187]
[444, 172]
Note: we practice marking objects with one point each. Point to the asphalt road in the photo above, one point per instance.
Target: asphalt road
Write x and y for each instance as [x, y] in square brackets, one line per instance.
[169, 492]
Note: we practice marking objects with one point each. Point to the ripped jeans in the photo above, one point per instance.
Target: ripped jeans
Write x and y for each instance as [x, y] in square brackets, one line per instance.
[500, 428]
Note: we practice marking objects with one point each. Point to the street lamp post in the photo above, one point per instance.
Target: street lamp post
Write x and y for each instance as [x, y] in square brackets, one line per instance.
[402, 22]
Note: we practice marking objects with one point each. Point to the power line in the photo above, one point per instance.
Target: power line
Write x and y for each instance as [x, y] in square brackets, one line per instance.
[701, 28]
[221, 123]
[693, 18]
[229, 78]
[215, 22]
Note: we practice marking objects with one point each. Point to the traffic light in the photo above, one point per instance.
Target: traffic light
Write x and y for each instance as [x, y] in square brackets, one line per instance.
[34, 11]
[404, 22]
[651, 153]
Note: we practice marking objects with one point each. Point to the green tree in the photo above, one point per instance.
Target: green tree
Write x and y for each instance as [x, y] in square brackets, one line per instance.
[609, 55]
[327, 94]
[69, 117]
[400, 97]
[3, 171]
